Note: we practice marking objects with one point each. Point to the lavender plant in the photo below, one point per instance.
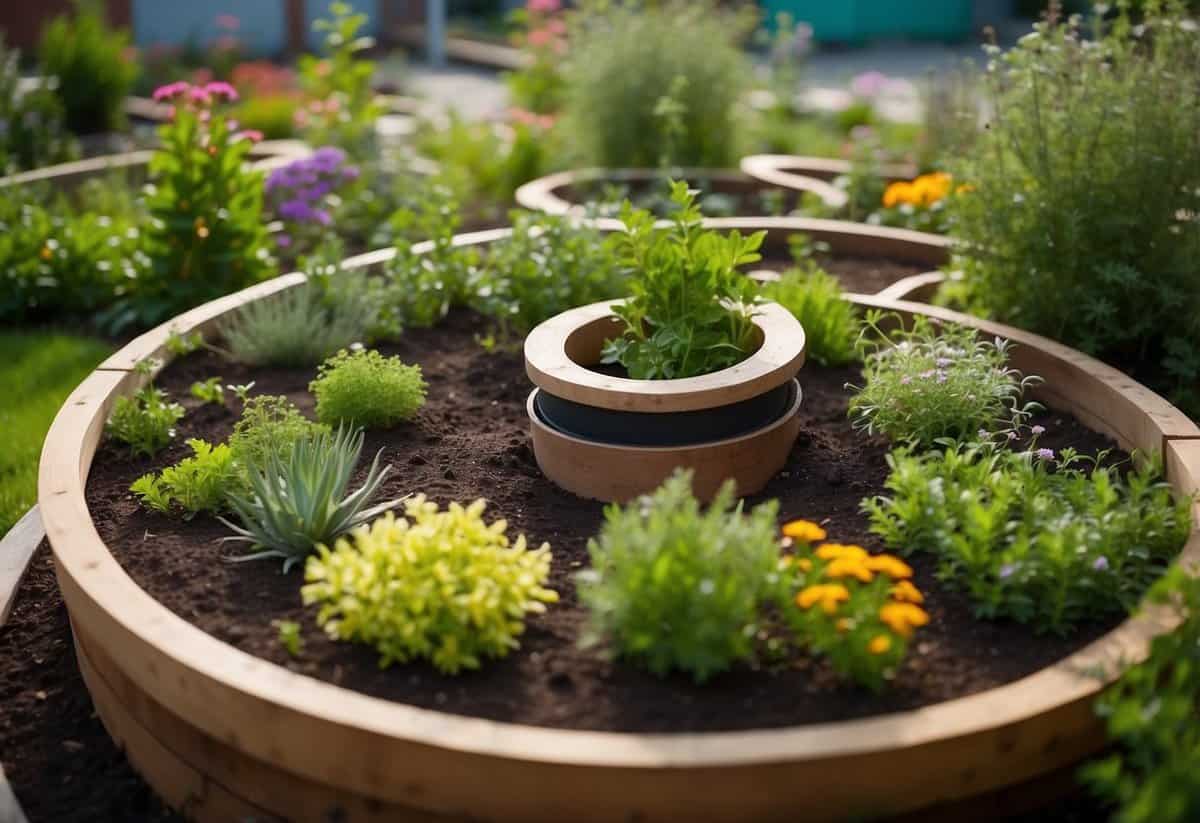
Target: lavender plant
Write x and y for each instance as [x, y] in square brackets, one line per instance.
[304, 195]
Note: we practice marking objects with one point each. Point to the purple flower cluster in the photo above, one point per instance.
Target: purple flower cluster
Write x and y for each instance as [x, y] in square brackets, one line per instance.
[300, 188]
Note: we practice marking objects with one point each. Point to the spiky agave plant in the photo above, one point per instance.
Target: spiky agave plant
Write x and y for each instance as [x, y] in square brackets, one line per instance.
[296, 503]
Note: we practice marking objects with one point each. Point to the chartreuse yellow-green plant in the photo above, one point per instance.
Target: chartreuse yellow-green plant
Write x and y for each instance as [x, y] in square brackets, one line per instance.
[367, 389]
[858, 610]
[194, 484]
[673, 587]
[146, 421]
[299, 500]
[439, 585]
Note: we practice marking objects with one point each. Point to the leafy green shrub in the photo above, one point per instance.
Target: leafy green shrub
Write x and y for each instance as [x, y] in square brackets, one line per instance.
[294, 328]
[270, 426]
[271, 114]
[33, 133]
[208, 391]
[367, 389]
[446, 586]
[548, 265]
[206, 236]
[342, 109]
[691, 309]
[655, 83]
[816, 299]
[868, 606]
[92, 64]
[145, 421]
[672, 587]
[922, 386]
[1151, 716]
[298, 496]
[194, 484]
[1080, 220]
[1031, 537]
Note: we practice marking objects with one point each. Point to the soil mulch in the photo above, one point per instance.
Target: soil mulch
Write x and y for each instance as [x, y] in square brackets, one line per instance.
[470, 441]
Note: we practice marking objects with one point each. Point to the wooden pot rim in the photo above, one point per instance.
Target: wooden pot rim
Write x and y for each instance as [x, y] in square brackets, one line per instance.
[793, 171]
[318, 729]
[550, 367]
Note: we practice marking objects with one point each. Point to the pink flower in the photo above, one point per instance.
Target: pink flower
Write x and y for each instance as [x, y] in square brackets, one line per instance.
[199, 94]
[543, 6]
[253, 135]
[222, 89]
[540, 37]
[869, 84]
[171, 91]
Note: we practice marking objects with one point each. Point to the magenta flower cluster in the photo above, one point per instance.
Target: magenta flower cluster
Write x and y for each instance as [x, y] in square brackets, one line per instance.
[301, 187]
[205, 95]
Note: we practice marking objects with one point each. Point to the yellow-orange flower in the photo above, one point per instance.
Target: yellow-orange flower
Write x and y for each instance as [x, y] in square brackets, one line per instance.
[805, 564]
[849, 566]
[893, 567]
[879, 644]
[897, 193]
[844, 624]
[805, 531]
[902, 618]
[829, 595]
[906, 592]
[832, 551]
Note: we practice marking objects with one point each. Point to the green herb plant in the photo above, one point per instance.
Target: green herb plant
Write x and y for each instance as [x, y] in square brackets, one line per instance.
[269, 428]
[295, 328]
[674, 587]
[145, 421]
[440, 585]
[367, 389]
[195, 484]
[690, 311]
[1151, 716]
[92, 65]
[830, 321]
[34, 134]
[208, 391]
[1050, 540]
[924, 384]
[298, 497]
[289, 636]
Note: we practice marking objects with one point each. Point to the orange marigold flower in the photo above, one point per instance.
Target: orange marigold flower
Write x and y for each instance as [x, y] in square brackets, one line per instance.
[832, 551]
[805, 531]
[879, 644]
[829, 595]
[906, 592]
[805, 564]
[844, 624]
[902, 618]
[897, 193]
[893, 567]
[849, 566]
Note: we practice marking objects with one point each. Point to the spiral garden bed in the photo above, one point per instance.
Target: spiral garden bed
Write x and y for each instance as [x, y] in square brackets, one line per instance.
[183, 668]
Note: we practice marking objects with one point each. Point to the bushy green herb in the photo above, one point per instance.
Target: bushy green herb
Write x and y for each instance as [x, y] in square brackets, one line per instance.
[441, 585]
[1031, 536]
[921, 385]
[628, 59]
[208, 391]
[33, 133]
[93, 66]
[857, 609]
[195, 484]
[830, 321]
[295, 328]
[548, 265]
[1080, 223]
[206, 235]
[367, 389]
[298, 497]
[676, 588]
[1151, 717]
[146, 421]
[691, 310]
[241, 391]
[270, 425]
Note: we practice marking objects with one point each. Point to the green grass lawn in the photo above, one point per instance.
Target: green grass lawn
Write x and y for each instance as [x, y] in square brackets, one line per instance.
[38, 369]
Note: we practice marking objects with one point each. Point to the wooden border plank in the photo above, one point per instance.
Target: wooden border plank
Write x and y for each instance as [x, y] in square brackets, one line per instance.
[16, 550]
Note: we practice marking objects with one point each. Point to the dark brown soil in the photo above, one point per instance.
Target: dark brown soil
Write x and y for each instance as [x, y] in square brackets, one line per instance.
[471, 440]
[868, 275]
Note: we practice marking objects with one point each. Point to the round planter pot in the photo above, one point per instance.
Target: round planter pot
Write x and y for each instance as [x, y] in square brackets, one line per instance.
[223, 735]
[614, 438]
[795, 171]
[560, 193]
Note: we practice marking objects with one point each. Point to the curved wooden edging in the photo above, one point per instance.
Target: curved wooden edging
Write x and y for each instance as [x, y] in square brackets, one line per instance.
[223, 733]
[544, 194]
[794, 171]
